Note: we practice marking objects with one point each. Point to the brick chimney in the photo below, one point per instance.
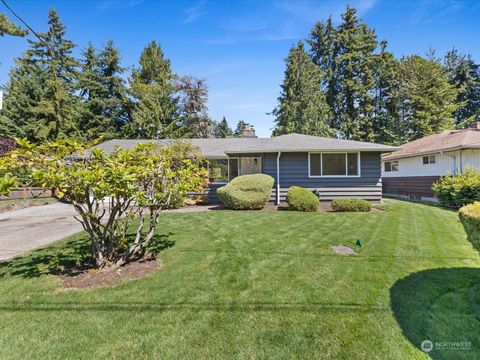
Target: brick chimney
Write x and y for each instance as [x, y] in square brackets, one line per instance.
[248, 131]
[475, 125]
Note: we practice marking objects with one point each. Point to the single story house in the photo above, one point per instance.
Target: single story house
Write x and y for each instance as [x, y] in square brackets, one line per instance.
[335, 168]
[411, 171]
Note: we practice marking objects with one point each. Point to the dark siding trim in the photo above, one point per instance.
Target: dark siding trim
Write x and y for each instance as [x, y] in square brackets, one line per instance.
[409, 185]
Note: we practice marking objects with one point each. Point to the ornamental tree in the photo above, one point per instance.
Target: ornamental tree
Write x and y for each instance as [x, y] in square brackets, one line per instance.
[114, 193]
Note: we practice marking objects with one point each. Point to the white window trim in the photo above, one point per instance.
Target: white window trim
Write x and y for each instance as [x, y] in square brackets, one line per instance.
[346, 164]
[391, 163]
[428, 156]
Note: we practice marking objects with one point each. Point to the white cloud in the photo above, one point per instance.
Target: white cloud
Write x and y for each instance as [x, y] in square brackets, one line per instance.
[195, 12]
[117, 4]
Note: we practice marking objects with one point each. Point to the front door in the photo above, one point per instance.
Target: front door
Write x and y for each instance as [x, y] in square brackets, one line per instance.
[250, 165]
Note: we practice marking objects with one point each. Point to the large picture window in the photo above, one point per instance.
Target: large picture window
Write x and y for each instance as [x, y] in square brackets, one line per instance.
[334, 164]
[218, 170]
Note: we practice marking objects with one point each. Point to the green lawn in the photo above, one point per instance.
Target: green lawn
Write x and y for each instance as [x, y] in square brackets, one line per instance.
[260, 285]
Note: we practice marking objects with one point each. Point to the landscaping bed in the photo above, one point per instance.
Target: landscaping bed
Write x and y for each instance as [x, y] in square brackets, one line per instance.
[90, 278]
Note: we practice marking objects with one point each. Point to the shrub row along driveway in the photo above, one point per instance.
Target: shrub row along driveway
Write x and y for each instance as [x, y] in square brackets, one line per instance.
[29, 228]
[259, 284]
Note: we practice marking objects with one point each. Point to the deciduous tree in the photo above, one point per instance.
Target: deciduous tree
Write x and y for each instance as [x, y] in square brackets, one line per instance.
[425, 100]
[193, 97]
[112, 193]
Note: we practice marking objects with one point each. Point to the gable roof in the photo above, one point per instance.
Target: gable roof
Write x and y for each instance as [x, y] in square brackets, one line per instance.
[219, 148]
[448, 140]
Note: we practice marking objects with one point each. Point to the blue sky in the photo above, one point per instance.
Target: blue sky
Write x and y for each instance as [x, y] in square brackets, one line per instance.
[240, 46]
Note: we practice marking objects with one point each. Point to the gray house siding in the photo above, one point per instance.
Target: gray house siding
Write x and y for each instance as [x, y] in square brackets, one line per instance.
[294, 171]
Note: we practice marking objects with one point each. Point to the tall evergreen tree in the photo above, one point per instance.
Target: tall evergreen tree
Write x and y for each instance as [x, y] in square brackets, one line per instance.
[40, 102]
[348, 55]
[193, 97]
[384, 127]
[23, 92]
[425, 100]
[9, 28]
[239, 129]
[154, 109]
[57, 110]
[302, 107]
[222, 129]
[103, 92]
[464, 74]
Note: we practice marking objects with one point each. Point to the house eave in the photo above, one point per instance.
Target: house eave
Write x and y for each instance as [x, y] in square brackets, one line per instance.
[431, 152]
[283, 150]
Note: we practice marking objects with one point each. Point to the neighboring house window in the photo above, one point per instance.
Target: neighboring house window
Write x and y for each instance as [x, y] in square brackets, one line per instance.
[429, 160]
[334, 164]
[391, 166]
[218, 170]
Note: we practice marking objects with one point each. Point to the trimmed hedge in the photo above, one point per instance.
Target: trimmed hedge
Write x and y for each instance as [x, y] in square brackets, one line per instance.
[456, 191]
[351, 205]
[247, 192]
[300, 199]
[470, 217]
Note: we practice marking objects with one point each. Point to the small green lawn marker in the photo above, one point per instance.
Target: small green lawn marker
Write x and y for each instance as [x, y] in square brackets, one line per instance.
[358, 245]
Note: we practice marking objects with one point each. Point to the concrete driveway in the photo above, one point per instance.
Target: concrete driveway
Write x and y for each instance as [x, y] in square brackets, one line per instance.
[30, 228]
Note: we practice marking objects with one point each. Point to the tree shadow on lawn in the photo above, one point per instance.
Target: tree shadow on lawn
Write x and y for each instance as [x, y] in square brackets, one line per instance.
[441, 305]
[70, 257]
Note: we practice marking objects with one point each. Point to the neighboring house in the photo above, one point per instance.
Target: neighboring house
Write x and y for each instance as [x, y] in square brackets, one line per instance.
[411, 171]
[336, 168]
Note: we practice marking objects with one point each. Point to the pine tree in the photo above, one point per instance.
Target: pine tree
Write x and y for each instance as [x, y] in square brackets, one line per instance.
[40, 102]
[222, 129]
[385, 127]
[193, 97]
[23, 92]
[115, 97]
[57, 110]
[464, 74]
[425, 100]
[349, 56]
[103, 92]
[302, 106]
[154, 109]
[9, 28]
[239, 129]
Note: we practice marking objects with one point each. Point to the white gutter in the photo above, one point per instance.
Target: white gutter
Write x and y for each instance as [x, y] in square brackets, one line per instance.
[278, 177]
[256, 151]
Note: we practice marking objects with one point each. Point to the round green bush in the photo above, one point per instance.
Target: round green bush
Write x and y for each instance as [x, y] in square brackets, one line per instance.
[300, 199]
[456, 191]
[351, 205]
[470, 217]
[247, 192]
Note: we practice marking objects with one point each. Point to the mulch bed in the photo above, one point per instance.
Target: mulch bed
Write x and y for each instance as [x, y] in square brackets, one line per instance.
[110, 276]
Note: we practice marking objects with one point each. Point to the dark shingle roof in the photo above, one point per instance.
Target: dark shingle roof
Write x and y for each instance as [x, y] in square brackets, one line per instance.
[447, 140]
[219, 148]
